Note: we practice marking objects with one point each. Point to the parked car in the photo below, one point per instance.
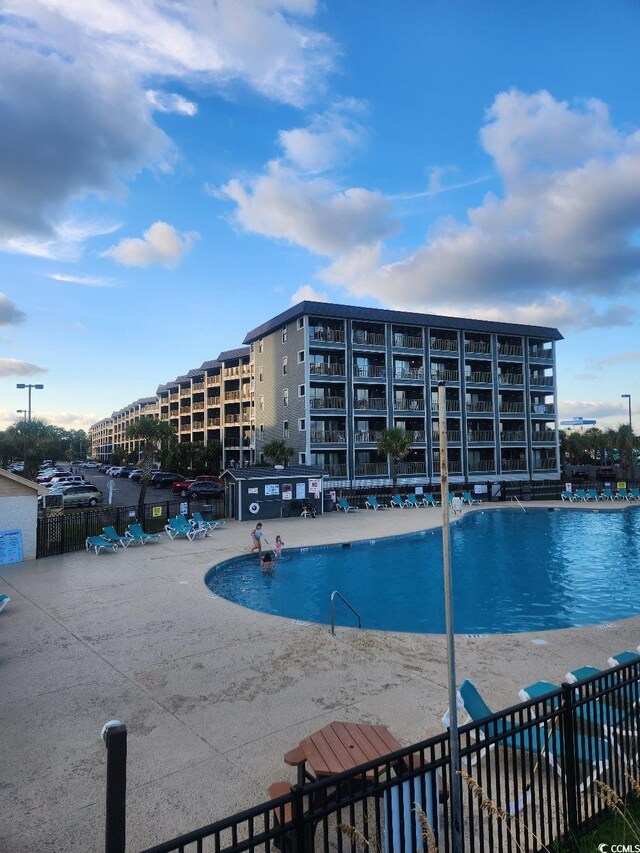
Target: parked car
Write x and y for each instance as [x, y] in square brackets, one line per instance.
[81, 494]
[135, 474]
[181, 487]
[125, 470]
[606, 473]
[580, 474]
[114, 470]
[43, 479]
[66, 479]
[206, 489]
[164, 479]
[91, 464]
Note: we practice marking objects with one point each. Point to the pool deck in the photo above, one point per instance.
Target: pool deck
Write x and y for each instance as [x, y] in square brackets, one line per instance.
[213, 694]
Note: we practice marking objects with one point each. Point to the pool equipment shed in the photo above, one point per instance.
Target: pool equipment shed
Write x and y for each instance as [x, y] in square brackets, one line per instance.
[275, 492]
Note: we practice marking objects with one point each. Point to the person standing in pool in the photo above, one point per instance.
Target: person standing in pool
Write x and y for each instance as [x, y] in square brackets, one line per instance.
[266, 564]
[277, 548]
[256, 538]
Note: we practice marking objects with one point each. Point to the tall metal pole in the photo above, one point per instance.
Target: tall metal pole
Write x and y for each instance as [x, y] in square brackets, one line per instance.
[454, 739]
[628, 396]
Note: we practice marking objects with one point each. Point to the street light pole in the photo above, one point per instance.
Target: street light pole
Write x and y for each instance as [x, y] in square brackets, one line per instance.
[22, 412]
[29, 386]
[628, 397]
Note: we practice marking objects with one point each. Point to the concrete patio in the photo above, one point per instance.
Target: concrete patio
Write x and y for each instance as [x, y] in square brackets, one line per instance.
[212, 694]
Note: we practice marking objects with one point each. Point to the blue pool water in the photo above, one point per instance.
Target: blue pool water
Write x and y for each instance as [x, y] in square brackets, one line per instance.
[511, 572]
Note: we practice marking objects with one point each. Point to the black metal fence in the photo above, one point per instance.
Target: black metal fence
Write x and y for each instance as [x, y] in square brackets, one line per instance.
[60, 532]
[531, 776]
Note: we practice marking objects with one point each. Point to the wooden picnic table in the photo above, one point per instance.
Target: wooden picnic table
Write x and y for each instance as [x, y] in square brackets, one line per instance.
[339, 747]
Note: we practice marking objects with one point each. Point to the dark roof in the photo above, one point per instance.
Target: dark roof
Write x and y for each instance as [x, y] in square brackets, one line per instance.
[288, 471]
[381, 315]
[197, 371]
[239, 352]
[207, 365]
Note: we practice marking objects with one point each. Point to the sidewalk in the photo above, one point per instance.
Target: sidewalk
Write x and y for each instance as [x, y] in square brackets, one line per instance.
[212, 694]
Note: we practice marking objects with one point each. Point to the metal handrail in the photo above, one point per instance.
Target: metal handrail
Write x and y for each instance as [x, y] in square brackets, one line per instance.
[518, 502]
[331, 605]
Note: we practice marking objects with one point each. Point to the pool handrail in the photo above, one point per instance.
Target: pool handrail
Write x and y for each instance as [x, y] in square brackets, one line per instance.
[331, 606]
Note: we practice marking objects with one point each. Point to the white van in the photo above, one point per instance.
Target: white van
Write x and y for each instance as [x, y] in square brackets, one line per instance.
[65, 480]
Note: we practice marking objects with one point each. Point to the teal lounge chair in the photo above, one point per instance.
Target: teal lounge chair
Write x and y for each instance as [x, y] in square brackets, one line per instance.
[592, 495]
[581, 495]
[112, 535]
[397, 501]
[594, 751]
[634, 494]
[199, 521]
[344, 505]
[608, 495]
[623, 658]
[623, 494]
[99, 543]
[467, 498]
[372, 503]
[4, 600]
[429, 500]
[179, 526]
[412, 500]
[567, 495]
[137, 534]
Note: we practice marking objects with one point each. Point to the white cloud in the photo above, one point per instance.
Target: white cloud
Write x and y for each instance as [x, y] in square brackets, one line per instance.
[75, 113]
[160, 244]
[85, 280]
[561, 234]
[329, 137]
[165, 102]
[312, 214]
[10, 315]
[14, 367]
[309, 294]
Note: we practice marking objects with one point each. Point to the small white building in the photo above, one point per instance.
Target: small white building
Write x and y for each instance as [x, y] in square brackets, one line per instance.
[18, 517]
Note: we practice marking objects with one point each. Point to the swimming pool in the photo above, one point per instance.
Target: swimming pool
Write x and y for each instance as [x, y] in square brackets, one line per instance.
[512, 571]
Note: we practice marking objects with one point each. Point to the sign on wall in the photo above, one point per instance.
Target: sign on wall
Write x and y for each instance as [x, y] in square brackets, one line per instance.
[287, 491]
[271, 490]
[10, 546]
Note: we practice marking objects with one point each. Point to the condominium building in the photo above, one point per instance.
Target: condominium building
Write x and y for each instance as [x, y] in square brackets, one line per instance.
[329, 379]
[110, 434]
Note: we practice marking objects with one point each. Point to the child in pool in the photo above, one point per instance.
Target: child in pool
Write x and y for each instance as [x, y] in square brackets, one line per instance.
[277, 548]
[266, 564]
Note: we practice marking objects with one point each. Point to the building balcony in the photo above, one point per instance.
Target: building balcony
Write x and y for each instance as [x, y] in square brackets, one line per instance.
[371, 469]
[185, 410]
[544, 435]
[213, 380]
[322, 368]
[511, 408]
[481, 436]
[213, 422]
[401, 341]
[231, 395]
[197, 386]
[480, 406]
[543, 409]
[232, 371]
[478, 377]
[454, 466]
[545, 465]
[408, 404]
[175, 396]
[540, 354]
[328, 437]
[453, 435]
[367, 338]
[411, 373]
[372, 371]
[417, 436]
[335, 470]
[324, 334]
[514, 435]
[378, 404]
[510, 351]
[326, 402]
[367, 435]
[412, 469]
[482, 466]
[477, 348]
[513, 465]
[198, 407]
[232, 419]
[445, 376]
[452, 407]
[542, 381]
[444, 344]
[510, 379]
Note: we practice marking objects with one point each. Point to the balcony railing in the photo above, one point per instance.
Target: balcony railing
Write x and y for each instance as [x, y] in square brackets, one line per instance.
[546, 381]
[455, 466]
[417, 436]
[511, 379]
[323, 368]
[328, 437]
[444, 344]
[408, 404]
[185, 410]
[368, 435]
[335, 470]
[512, 350]
[545, 435]
[231, 395]
[482, 465]
[445, 376]
[197, 386]
[545, 465]
[452, 435]
[480, 406]
[477, 347]
[513, 464]
[377, 403]
[479, 377]
[332, 336]
[362, 336]
[511, 407]
[213, 380]
[411, 469]
[407, 341]
[232, 419]
[371, 469]
[174, 396]
[480, 436]
[409, 373]
[541, 353]
[198, 407]
[513, 435]
[327, 402]
[369, 371]
[452, 406]
[213, 422]
[232, 371]
[543, 409]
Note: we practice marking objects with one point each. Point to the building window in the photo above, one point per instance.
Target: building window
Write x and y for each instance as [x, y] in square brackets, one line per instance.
[260, 373]
[285, 429]
[260, 345]
[261, 431]
[301, 356]
[285, 397]
[284, 334]
[261, 402]
[285, 362]
[302, 458]
[301, 390]
[301, 322]
[302, 424]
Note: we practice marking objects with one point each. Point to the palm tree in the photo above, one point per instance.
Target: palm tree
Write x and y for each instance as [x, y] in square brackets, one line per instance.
[278, 452]
[394, 443]
[150, 432]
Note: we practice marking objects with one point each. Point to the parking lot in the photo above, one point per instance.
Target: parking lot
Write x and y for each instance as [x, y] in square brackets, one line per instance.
[125, 491]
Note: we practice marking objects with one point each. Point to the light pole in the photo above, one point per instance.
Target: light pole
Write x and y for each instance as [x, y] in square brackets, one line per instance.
[628, 397]
[22, 412]
[29, 386]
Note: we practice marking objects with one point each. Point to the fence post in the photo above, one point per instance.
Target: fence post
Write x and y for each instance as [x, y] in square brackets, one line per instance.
[114, 735]
[298, 818]
[569, 763]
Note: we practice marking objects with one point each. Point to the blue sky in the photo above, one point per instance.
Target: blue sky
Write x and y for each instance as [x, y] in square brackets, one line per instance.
[174, 174]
